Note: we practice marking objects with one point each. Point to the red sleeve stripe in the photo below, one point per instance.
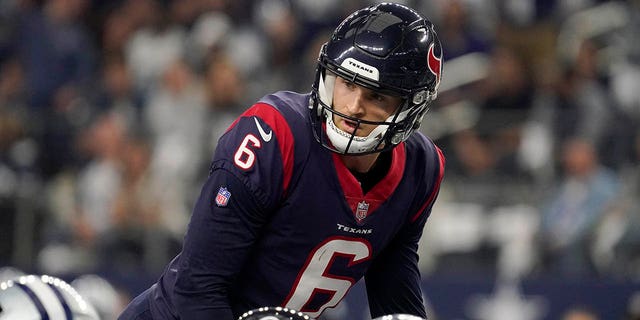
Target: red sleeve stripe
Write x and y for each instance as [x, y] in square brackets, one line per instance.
[284, 136]
[436, 188]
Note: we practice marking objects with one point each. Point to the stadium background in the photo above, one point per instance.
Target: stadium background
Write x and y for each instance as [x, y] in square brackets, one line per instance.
[110, 110]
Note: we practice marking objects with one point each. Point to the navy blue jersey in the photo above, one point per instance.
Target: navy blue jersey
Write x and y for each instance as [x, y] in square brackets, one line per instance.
[282, 222]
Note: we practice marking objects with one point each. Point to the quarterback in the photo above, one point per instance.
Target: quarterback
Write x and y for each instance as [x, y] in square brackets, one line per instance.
[308, 193]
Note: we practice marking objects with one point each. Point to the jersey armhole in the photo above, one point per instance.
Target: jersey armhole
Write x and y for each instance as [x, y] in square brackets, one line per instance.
[436, 188]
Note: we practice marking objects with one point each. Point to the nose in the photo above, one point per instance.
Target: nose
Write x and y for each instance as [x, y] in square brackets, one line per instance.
[356, 103]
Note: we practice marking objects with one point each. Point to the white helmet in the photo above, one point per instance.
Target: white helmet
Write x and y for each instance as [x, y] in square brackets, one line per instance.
[35, 297]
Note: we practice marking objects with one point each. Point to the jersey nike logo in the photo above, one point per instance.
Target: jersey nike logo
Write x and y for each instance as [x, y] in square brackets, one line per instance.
[265, 136]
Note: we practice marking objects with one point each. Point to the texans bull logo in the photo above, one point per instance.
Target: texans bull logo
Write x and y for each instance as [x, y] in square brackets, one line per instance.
[435, 63]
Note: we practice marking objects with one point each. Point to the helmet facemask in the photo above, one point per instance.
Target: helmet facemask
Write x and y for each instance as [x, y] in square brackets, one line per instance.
[390, 49]
[387, 134]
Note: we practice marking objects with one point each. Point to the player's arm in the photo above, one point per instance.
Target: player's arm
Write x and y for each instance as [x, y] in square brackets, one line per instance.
[218, 241]
[253, 164]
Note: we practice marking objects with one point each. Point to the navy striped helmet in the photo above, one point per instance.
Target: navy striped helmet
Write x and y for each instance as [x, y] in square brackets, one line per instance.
[35, 297]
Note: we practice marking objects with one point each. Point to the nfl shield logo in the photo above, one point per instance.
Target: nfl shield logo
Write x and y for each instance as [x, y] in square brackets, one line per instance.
[222, 198]
[361, 211]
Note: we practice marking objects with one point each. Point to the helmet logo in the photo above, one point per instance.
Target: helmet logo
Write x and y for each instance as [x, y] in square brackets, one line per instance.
[435, 64]
[361, 68]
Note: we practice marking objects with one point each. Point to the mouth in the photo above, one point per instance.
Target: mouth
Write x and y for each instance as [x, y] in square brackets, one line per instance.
[349, 126]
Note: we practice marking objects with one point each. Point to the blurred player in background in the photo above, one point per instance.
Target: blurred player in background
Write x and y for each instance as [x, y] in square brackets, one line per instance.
[308, 193]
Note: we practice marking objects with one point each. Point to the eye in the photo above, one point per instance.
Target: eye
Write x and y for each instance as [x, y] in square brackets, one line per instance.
[349, 84]
[377, 97]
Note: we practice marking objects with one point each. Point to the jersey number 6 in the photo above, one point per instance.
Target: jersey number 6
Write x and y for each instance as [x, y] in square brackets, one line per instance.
[314, 279]
[245, 157]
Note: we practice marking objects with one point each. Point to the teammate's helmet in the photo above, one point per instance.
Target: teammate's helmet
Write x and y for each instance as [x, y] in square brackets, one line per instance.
[399, 317]
[42, 297]
[391, 49]
[274, 313]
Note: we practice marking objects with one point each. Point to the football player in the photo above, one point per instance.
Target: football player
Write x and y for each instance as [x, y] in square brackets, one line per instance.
[308, 193]
[33, 297]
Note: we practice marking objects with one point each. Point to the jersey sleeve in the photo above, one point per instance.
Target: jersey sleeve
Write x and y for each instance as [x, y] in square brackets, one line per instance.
[249, 175]
[218, 240]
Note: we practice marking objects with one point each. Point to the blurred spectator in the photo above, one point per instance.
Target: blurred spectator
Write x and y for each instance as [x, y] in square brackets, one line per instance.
[209, 32]
[187, 12]
[12, 87]
[117, 91]
[457, 33]
[617, 243]
[154, 46]
[175, 116]
[11, 130]
[82, 203]
[99, 180]
[507, 98]
[55, 49]
[19, 180]
[473, 164]
[225, 89]
[584, 109]
[578, 204]
[116, 30]
[58, 59]
[483, 160]
[138, 237]
[579, 313]
[281, 30]
[633, 307]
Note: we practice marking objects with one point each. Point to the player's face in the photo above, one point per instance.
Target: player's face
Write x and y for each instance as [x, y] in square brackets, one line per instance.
[362, 103]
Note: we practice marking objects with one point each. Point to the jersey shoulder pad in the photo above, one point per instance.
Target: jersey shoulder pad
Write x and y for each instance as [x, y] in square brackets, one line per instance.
[262, 144]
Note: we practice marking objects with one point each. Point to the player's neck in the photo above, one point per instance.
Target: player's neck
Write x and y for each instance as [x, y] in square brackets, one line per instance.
[360, 164]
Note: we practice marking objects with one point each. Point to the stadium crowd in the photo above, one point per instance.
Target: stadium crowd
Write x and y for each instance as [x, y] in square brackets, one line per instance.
[110, 112]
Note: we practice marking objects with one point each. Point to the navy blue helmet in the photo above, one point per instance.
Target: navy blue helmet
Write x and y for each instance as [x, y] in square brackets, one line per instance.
[388, 48]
